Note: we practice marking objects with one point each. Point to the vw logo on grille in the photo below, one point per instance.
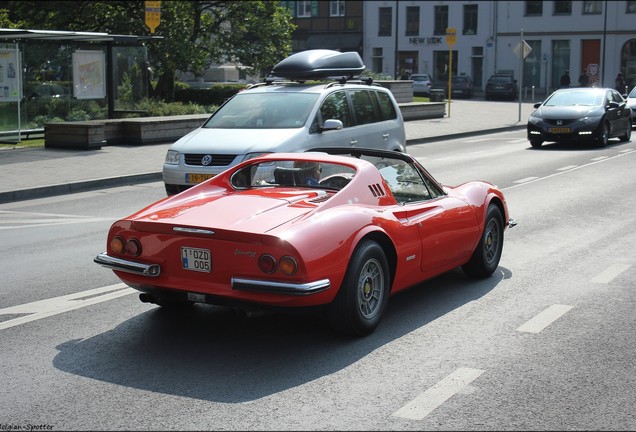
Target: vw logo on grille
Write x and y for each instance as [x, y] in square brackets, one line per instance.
[559, 122]
[206, 160]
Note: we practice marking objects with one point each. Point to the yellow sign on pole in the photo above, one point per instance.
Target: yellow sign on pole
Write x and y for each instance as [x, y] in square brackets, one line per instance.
[153, 14]
[451, 38]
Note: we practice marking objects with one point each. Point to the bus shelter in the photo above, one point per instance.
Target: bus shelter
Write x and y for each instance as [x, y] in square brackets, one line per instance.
[48, 76]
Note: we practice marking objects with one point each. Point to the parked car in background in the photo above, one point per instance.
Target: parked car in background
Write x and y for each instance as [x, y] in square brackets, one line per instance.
[631, 103]
[501, 86]
[421, 84]
[290, 112]
[461, 86]
[260, 237]
[580, 114]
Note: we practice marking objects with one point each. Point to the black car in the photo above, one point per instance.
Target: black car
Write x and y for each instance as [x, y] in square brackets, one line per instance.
[580, 114]
[502, 86]
[461, 86]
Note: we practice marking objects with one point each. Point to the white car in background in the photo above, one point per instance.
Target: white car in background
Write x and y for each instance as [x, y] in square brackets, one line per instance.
[422, 84]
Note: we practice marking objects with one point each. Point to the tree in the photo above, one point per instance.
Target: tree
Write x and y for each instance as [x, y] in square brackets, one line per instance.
[255, 34]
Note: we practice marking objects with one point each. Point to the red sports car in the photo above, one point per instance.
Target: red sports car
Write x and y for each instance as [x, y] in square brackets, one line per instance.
[341, 229]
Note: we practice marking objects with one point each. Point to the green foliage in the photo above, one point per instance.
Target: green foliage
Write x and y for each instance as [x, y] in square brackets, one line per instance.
[214, 95]
[195, 34]
[159, 108]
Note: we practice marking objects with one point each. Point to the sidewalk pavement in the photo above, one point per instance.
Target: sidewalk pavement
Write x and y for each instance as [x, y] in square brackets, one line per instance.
[35, 173]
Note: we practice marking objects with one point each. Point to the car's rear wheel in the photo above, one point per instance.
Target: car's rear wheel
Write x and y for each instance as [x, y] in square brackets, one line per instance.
[536, 143]
[628, 133]
[486, 256]
[364, 293]
[603, 135]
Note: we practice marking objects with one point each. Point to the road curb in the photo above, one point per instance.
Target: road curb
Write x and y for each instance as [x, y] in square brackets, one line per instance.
[80, 186]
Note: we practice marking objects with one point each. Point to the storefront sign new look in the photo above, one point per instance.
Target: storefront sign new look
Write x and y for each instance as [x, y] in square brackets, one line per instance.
[431, 40]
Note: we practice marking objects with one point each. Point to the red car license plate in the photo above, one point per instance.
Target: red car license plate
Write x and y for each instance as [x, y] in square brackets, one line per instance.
[197, 178]
[558, 130]
[196, 259]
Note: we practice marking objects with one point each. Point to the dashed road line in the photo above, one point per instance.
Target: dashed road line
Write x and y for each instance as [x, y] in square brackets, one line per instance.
[610, 273]
[544, 319]
[435, 396]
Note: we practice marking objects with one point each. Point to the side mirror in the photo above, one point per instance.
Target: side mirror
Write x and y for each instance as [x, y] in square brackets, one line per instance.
[332, 124]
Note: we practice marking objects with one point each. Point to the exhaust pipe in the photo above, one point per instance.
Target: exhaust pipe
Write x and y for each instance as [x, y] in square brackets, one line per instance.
[147, 298]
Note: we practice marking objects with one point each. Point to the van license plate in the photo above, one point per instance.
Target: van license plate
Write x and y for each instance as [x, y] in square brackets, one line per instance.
[196, 259]
[197, 178]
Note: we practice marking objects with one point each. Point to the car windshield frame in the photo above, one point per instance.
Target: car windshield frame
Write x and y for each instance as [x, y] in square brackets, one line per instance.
[270, 110]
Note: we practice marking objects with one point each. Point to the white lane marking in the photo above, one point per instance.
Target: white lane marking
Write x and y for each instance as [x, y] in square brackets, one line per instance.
[57, 305]
[525, 180]
[544, 319]
[565, 172]
[565, 168]
[600, 158]
[17, 219]
[610, 273]
[628, 150]
[426, 402]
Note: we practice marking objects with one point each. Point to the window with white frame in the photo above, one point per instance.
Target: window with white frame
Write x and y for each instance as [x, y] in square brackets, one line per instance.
[303, 8]
[592, 7]
[385, 23]
[412, 21]
[337, 8]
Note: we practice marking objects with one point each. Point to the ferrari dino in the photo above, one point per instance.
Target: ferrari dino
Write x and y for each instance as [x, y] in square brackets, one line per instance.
[340, 229]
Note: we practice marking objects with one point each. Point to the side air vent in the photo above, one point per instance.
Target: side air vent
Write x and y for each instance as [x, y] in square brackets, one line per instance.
[377, 190]
[320, 199]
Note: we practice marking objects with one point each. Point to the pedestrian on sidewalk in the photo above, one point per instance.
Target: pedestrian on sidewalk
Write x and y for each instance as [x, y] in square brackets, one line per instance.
[584, 80]
[565, 79]
[619, 83]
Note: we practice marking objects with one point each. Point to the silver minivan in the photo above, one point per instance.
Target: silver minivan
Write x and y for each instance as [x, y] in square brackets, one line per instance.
[289, 115]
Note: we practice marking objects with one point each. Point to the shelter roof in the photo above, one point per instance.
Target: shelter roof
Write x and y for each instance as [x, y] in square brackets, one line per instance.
[15, 35]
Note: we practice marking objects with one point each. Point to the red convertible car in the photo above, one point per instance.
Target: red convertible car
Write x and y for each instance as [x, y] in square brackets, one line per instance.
[341, 229]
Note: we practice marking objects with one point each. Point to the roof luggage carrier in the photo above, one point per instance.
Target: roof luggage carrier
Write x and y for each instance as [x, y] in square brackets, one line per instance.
[318, 64]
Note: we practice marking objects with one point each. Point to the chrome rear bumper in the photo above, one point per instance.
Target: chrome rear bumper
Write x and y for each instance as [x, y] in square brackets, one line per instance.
[127, 266]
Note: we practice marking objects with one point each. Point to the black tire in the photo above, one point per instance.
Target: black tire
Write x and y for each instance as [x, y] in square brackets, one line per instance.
[536, 143]
[486, 256]
[364, 293]
[628, 133]
[603, 135]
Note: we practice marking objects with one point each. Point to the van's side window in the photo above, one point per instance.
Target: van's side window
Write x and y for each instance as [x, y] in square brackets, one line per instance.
[363, 107]
[335, 106]
[386, 106]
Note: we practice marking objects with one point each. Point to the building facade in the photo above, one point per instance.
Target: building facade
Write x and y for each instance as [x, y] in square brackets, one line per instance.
[402, 37]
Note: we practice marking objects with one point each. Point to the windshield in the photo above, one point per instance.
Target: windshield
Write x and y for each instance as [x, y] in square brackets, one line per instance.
[264, 111]
[568, 98]
[293, 173]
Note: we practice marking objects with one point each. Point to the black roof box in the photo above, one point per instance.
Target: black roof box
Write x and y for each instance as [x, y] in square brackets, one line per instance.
[319, 63]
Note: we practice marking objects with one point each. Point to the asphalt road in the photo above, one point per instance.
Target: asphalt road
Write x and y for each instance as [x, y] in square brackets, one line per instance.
[546, 343]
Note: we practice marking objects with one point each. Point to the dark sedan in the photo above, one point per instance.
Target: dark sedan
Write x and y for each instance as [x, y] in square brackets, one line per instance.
[580, 114]
[461, 86]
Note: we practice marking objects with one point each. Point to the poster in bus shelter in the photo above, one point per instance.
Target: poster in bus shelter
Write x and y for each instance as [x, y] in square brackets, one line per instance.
[89, 77]
[9, 75]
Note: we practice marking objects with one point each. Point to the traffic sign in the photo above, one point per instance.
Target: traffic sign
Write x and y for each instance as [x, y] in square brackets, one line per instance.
[451, 36]
[153, 14]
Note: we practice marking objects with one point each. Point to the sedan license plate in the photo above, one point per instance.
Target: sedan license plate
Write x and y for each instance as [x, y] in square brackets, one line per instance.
[197, 178]
[559, 130]
[196, 259]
